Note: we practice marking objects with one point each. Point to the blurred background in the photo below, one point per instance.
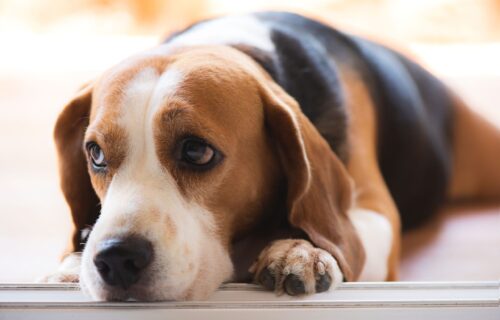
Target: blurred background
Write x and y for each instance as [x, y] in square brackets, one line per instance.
[48, 48]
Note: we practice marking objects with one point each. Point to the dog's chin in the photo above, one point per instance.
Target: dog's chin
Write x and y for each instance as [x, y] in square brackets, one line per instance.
[135, 294]
[138, 292]
[144, 291]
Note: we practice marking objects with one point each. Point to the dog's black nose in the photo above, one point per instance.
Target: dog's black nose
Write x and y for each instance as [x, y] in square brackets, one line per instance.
[121, 260]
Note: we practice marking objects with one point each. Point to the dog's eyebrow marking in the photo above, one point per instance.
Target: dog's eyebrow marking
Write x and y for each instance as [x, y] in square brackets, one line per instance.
[172, 114]
[167, 84]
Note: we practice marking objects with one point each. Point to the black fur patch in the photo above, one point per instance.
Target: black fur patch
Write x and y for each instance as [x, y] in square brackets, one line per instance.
[414, 114]
[301, 66]
[414, 109]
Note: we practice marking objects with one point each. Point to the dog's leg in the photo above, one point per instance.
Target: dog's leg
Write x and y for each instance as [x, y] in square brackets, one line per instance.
[375, 214]
[476, 157]
[68, 271]
[376, 235]
[376, 219]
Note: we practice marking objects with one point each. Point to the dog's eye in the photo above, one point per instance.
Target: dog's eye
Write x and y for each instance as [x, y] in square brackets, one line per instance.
[197, 152]
[96, 155]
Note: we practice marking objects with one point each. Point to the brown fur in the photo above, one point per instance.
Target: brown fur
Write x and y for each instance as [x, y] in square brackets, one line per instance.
[200, 107]
[75, 181]
[476, 154]
[371, 191]
[319, 188]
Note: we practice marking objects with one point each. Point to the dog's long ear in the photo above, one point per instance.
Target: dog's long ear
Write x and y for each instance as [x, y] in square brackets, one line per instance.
[319, 191]
[75, 180]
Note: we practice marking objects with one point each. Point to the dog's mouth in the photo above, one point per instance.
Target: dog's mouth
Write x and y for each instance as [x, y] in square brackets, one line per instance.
[143, 291]
[134, 294]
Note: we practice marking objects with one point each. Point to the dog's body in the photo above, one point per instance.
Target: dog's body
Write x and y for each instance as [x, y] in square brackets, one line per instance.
[318, 144]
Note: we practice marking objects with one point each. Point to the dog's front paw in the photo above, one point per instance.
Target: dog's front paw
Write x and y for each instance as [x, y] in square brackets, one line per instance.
[58, 277]
[68, 271]
[296, 267]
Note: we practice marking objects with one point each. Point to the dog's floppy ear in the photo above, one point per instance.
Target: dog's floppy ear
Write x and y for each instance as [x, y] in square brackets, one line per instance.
[75, 180]
[319, 191]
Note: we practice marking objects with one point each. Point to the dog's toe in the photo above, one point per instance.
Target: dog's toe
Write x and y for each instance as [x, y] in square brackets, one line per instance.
[323, 283]
[294, 285]
[267, 279]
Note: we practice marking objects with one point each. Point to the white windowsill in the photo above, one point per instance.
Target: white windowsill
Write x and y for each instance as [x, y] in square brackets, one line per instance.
[414, 300]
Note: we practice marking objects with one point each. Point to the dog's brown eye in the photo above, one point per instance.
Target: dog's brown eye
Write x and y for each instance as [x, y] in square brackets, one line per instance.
[96, 155]
[197, 152]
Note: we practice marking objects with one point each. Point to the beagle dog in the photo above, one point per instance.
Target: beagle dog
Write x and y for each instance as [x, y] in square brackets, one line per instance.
[265, 147]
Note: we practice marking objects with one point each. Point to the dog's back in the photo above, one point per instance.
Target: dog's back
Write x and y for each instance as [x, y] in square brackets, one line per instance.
[416, 113]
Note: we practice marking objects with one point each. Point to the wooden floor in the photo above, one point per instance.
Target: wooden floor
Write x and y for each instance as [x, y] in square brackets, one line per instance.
[462, 243]
[39, 73]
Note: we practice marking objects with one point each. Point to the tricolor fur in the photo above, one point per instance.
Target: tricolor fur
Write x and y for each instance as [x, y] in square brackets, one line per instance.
[328, 144]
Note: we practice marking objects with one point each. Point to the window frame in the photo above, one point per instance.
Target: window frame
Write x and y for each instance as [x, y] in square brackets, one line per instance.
[377, 300]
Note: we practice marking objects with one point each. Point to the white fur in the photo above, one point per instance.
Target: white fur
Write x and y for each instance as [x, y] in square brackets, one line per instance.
[376, 236]
[142, 192]
[333, 266]
[68, 270]
[71, 264]
[245, 30]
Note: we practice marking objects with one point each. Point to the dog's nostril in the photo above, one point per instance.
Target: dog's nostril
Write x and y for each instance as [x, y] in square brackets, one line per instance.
[135, 266]
[130, 265]
[101, 266]
[120, 261]
[138, 263]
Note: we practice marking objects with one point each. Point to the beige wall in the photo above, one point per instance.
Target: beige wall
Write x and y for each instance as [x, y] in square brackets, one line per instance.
[404, 20]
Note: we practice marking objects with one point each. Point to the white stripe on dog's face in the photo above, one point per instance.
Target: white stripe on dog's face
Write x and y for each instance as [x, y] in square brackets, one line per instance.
[143, 199]
[141, 176]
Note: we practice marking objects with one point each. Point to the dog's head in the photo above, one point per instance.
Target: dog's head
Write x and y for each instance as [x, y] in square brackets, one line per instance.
[185, 152]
